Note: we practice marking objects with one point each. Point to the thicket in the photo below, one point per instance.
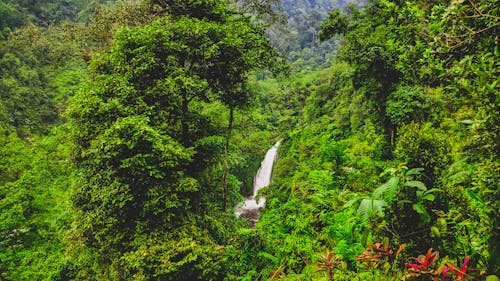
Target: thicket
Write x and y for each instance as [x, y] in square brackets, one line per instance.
[135, 178]
[394, 153]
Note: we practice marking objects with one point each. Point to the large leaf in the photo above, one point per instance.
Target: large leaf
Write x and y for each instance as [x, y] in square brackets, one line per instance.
[422, 212]
[414, 171]
[428, 197]
[368, 206]
[418, 184]
[387, 191]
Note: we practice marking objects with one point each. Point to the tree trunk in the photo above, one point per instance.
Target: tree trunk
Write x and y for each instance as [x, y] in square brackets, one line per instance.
[226, 160]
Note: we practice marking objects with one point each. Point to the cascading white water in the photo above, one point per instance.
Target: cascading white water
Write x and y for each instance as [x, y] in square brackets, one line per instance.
[250, 207]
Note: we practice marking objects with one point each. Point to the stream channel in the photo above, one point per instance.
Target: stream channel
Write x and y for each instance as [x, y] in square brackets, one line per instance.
[249, 208]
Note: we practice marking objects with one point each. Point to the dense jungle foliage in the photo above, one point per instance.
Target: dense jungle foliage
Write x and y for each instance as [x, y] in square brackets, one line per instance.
[129, 130]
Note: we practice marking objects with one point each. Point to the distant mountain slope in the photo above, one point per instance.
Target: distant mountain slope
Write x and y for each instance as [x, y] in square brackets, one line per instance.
[299, 39]
[295, 7]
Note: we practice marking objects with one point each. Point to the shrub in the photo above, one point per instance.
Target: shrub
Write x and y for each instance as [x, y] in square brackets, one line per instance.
[424, 147]
[408, 103]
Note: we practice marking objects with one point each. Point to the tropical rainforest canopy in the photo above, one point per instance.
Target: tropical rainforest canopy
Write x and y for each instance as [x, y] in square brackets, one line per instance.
[129, 131]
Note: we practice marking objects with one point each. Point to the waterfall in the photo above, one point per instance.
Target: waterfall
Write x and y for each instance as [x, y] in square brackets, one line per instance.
[250, 207]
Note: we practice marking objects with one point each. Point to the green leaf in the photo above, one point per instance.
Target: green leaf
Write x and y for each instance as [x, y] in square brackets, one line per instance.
[473, 196]
[414, 171]
[432, 190]
[492, 278]
[418, 184]
[368, 206]
[419, 194]
[364, 209]
[467, 122]
[351, 202]
[435, 232]
[419, 208]
[429, 197]
[424, 215]
[389, 171]
[267, 256]
[387, 191]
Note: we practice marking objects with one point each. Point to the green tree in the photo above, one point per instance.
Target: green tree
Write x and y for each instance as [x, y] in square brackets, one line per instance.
[335, 24]
[10, 17]
[137, 129]
[33, 88]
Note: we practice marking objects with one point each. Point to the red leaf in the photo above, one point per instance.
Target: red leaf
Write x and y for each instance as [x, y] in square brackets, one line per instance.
[464, 264]
[445, 271]
[412, 265]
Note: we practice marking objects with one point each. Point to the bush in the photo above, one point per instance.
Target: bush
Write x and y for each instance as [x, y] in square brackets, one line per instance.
[408, 103]
[422, 146]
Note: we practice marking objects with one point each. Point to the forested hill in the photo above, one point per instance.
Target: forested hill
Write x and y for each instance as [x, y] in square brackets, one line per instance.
[298, 38]
[304, 7]
[130, 130]
[17, 13]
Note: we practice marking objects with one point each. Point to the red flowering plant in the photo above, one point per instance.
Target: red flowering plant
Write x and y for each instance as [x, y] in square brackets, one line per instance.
[328, 263]
[459, 272]
[425, 265]
[378, 253]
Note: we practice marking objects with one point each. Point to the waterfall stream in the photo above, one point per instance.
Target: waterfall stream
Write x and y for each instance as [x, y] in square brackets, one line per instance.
[249, 208]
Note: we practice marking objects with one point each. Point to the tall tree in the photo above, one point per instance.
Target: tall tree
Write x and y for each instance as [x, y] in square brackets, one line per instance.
[135, 131]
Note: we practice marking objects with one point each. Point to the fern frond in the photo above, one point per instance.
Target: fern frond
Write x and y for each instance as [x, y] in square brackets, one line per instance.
[351, 202]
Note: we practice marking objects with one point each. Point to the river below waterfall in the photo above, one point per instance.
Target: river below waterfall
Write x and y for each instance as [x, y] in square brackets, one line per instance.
[249, 208]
